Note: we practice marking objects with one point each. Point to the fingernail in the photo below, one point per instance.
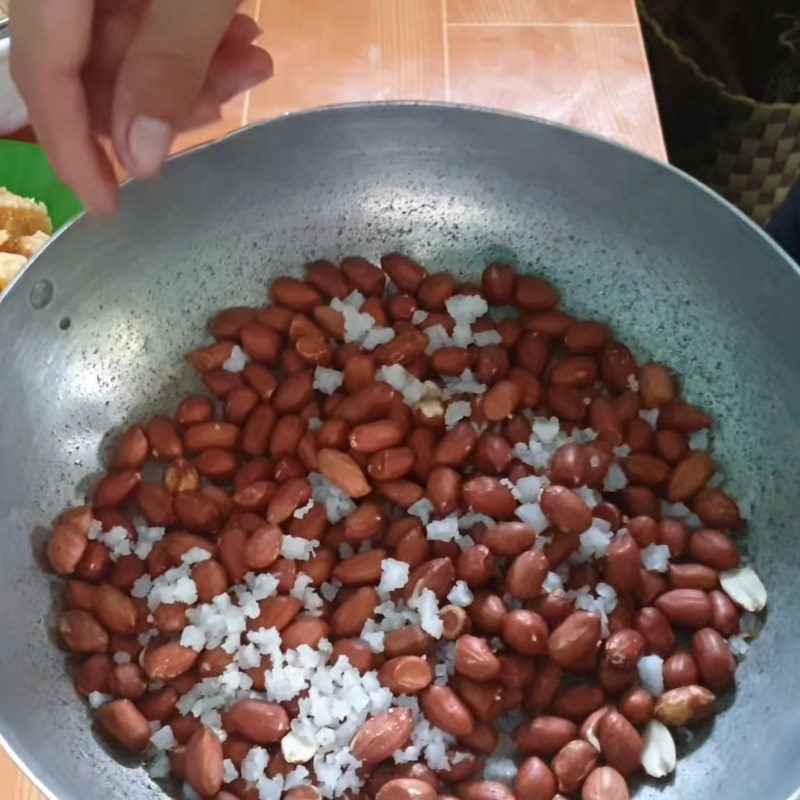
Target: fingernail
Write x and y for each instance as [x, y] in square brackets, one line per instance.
[149, 140]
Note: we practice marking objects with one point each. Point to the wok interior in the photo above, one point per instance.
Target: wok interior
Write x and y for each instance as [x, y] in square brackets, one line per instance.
[679, 275]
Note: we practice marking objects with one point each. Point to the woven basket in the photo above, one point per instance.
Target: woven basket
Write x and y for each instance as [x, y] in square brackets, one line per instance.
[747, 151]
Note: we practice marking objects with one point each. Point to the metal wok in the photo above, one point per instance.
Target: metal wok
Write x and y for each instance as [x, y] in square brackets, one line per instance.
[93, 333]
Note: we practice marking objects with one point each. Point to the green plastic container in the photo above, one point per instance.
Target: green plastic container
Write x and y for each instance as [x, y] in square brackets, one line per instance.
[25, 170]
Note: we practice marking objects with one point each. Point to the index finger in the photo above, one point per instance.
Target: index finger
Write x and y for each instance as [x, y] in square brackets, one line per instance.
[49, 44]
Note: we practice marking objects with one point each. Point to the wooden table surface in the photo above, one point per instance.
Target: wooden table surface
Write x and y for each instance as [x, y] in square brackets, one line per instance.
[580, 62]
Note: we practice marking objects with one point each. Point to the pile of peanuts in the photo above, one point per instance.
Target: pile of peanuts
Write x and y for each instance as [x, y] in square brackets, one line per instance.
[235, 470]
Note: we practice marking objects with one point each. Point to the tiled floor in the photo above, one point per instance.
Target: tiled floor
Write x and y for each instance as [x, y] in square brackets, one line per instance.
[580, 62]
[540, 12]
[14, 782]
[523, 69]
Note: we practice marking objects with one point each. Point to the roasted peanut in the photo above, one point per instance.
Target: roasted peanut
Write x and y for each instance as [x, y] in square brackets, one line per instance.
[474, 659]
[126, 724]
[572, 763]
[406, 674]
[714, 658]
[680, 669]
[256, 720]
[525, 631]
[637, 706]
[382, 735]
[255, 483]
[575, 639]
[82, 632]
[620, 744]
[605, 783]
[544, 735]
[444, 709]
[714, 548]
[690, 608]
[534, 780]
[526, 575]
[684, 705]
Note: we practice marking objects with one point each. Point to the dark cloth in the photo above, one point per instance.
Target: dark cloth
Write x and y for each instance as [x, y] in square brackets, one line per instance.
[784, 226]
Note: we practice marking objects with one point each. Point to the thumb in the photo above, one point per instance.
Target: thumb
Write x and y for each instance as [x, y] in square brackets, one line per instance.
[161, 76]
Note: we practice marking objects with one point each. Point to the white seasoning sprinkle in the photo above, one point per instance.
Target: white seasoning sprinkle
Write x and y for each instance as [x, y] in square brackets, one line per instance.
[428, 607]
[195, 555]
[301, 512]
[738, 646]
[236, 361]
[650, 416]
[529, 487]
[193, 637]
[442, 530]
[533, 516]
[466, 522]
[615, 478]
[146, 538]
[422, 508]
[373, 636]
[456, 411]
[97, 699]
[329, 590]
[118, 542]
[483, 338]
[394, 575]
[651, 674]
[254, 764]
[327, 380]
[229, 771]
[399, 378]
[460, 594]
[418, 317]
[546, 430]
[465, 383]
[164, 739]
[160, 767]
[502, 770]
[297, 548]
[594, 543]
[466, 308]
[655, 557]
[355, 299]
[141, 586]
[699, 440]
[377, 336]
[337, 504]
[552, 583]
[174, 586]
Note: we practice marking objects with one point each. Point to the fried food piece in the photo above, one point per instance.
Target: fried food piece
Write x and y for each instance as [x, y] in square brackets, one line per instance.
[24, 227]
[10, 265]
[26, 245]
[22, 216]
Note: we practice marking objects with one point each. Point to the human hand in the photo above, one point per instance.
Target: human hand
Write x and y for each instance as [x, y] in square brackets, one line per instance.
[137, 71]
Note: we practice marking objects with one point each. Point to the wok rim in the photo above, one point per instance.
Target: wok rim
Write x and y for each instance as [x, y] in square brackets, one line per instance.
[447, 107]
